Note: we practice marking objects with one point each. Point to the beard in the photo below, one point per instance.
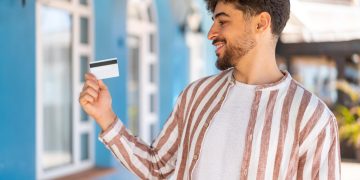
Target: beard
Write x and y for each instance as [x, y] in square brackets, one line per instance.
[234, 52]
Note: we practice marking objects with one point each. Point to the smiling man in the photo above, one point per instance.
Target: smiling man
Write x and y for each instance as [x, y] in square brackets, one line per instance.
[251, 121]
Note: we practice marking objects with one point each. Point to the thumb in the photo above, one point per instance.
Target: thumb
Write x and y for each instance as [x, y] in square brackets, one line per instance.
[102, 85]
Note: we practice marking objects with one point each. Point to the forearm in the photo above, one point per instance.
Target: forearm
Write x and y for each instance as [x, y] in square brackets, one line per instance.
[145, 161]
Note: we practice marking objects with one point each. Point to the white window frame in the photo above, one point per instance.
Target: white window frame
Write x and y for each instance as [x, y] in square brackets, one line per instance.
[143, 29]
[195, 41]
[78, 127]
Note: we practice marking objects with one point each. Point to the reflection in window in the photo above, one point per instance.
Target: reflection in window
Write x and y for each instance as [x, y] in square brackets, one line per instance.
[57, 97]
[84, 67]
[84, 2]
[152, 43]
[150, 14]
[152, 103]
[84, 30]
[84, 146]
[152, 73]
[134, 84]
[83, 115]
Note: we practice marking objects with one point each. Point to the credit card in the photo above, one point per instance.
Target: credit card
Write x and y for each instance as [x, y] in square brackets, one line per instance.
[104, 69]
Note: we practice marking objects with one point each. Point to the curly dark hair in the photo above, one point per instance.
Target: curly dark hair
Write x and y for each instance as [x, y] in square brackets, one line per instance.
[279, 10]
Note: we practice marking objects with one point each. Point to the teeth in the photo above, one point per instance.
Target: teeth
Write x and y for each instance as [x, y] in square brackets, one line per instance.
[219, 46]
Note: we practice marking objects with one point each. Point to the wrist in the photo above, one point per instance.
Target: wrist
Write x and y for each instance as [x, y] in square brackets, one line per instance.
[105, 121]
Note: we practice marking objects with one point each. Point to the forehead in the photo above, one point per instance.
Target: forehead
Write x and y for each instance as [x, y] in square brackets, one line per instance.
[228, 9]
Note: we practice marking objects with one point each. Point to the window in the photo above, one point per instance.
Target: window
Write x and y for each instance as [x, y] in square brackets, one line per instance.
[84, 2]
[64, 48]
[143, 72]
[84, 30]
[133, 84]
[57, 87]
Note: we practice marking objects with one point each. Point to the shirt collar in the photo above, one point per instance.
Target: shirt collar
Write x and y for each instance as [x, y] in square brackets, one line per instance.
[285, 80]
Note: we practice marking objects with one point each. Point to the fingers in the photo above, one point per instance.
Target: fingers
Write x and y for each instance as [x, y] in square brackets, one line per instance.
[92, 84]
[90, 76]
[91, 81]
[85, 99]
[90, 90]
[102, 85]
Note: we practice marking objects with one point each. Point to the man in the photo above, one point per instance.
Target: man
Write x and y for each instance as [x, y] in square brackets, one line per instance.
[251, 121]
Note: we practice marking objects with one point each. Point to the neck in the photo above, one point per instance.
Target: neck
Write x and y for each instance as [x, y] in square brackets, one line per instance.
[258, 68]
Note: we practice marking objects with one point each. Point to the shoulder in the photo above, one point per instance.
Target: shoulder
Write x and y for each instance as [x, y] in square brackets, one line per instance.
[313, 102]
[315, 116]
[207, 82]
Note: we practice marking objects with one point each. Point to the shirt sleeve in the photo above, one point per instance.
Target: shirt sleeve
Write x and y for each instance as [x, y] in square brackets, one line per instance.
[320, 159]
[156, 161]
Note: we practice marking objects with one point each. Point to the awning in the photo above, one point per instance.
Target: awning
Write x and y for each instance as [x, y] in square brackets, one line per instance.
[322, 22]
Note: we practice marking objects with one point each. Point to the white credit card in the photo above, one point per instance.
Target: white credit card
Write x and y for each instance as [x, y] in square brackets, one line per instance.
[103, 69]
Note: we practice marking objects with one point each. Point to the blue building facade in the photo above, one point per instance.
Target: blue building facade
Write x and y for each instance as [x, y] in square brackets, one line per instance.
[25, 79]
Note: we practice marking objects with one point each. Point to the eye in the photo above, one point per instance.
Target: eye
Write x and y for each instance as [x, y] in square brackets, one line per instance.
[222, 23]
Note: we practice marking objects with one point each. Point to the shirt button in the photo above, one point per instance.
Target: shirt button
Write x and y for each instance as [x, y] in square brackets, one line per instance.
[250, 137]
[245, 172]
[195, 157]
[206, 124]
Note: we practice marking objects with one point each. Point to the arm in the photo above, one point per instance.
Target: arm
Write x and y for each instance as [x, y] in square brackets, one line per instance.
[321, 159]
[147, 162]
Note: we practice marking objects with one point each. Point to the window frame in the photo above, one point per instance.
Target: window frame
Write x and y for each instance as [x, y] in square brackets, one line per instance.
[79, 127]
[143, 29]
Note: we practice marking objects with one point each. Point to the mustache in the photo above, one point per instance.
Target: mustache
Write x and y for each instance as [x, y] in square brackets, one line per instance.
[218, 40]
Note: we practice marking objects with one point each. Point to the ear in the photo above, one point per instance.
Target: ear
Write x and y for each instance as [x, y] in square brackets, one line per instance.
[263, 22]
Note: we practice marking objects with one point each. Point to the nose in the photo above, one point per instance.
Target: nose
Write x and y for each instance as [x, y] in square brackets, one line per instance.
[213, 32]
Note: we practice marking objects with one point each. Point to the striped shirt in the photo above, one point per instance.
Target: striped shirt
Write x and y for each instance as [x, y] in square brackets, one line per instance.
[291, 134]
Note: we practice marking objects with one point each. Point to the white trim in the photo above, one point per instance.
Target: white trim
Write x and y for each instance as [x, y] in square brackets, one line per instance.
[142, 29]
[76, 10]
[39, 109]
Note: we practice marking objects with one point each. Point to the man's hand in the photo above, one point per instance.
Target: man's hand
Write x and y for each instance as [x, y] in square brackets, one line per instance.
[95, 99]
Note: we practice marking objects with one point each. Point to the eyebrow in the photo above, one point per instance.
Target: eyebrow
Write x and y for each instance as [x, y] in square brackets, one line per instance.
[219, 14]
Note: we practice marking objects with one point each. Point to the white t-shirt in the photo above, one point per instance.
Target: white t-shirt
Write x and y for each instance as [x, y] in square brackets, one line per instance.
[223, 146]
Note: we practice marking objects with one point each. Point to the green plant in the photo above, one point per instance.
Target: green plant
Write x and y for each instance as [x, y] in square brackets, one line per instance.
[349, 124]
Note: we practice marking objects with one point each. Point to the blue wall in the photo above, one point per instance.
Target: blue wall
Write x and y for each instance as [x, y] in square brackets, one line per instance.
[174, 63]
[110, 36]
[110, 41]
[17, 90]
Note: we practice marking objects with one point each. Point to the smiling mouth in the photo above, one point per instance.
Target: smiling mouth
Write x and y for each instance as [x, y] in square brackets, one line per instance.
[219, 47]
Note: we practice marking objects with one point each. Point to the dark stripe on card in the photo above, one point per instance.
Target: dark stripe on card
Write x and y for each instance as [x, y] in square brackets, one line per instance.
[104, 63]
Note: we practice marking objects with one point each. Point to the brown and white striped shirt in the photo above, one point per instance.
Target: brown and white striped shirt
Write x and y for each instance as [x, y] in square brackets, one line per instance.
[291, 134]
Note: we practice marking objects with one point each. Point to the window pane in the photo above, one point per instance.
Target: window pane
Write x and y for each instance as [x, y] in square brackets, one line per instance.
[84, 116]
[152, 103]
[84, 2]
[57, 97]
[150, 14]
[152, 73]
[84, 65]
[152, 43]
[84, 30]
[134, 85]
[84, 146]
[153, 131]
